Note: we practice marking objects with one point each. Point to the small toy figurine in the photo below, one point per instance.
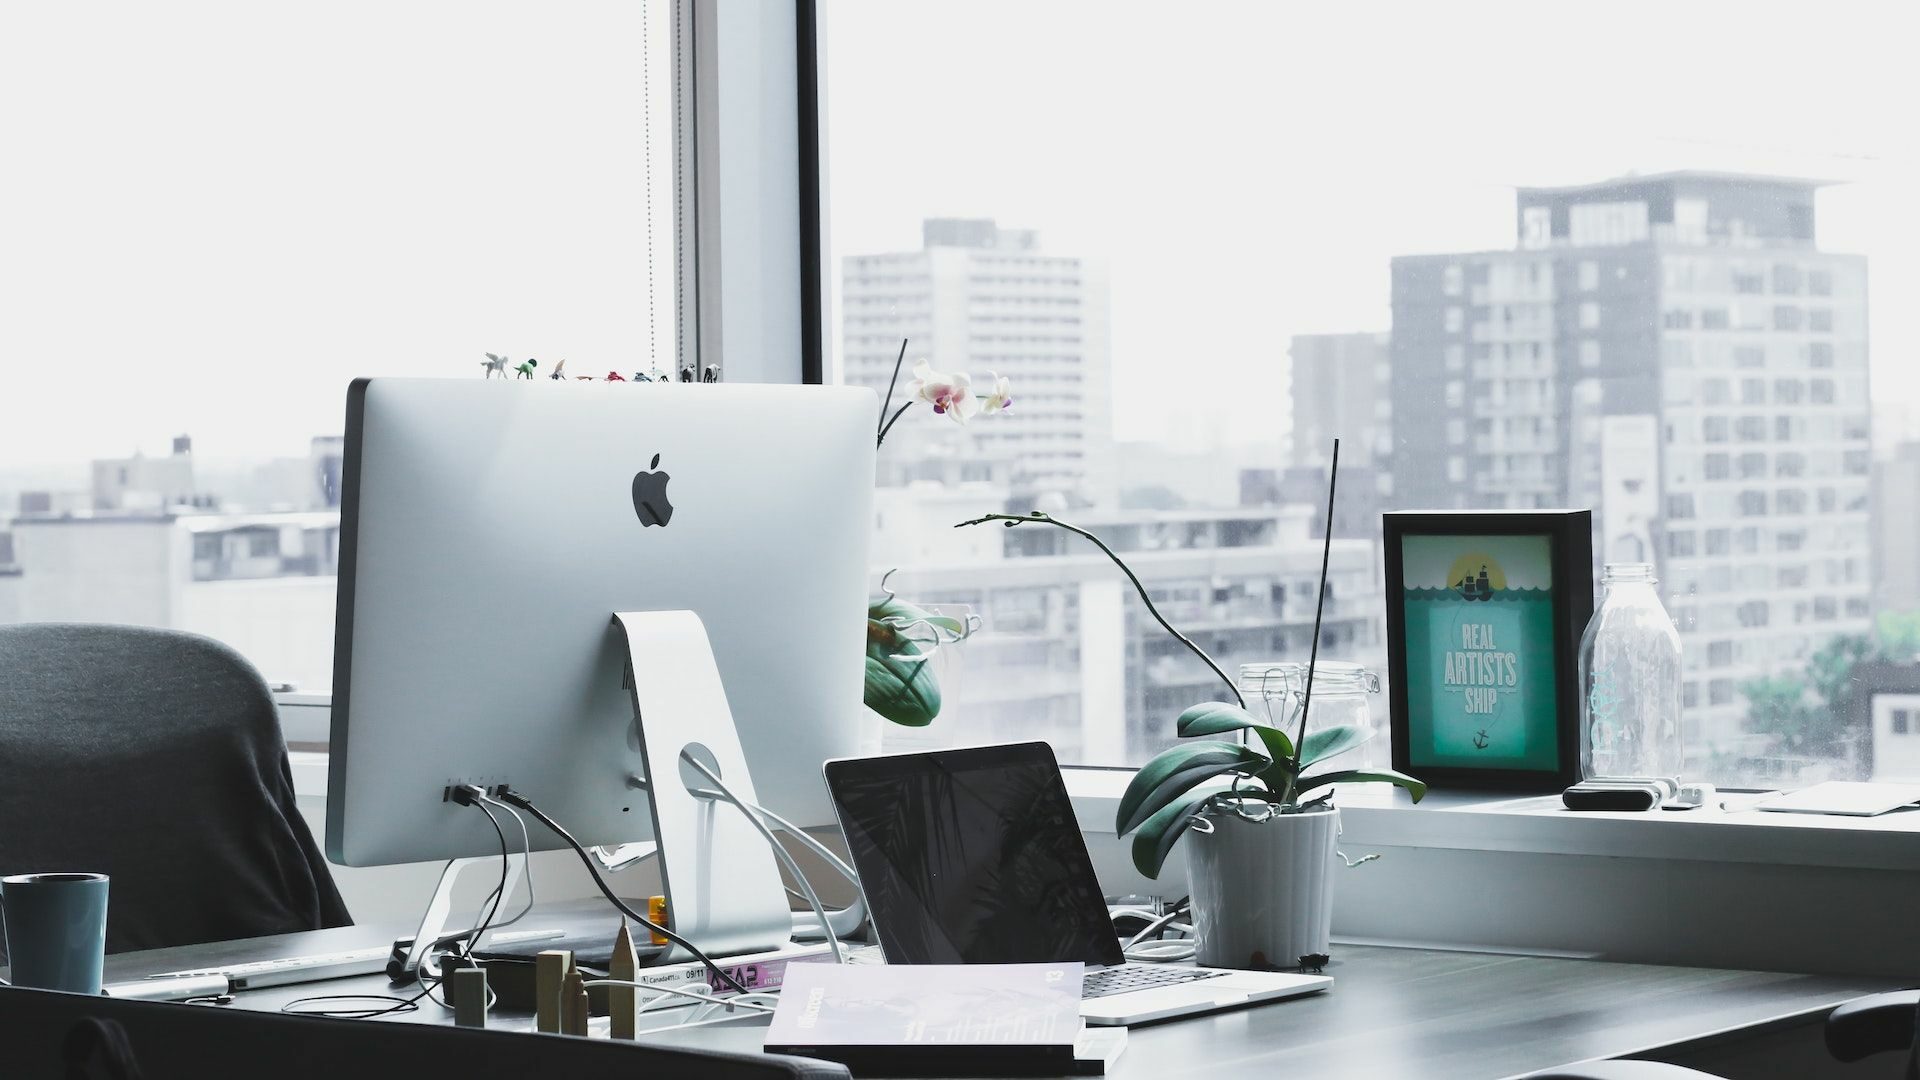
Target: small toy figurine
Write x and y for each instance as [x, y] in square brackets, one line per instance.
[584, 378]
[614, 376]
[711, 374]
[495, 365]
[557, 369]
[1314, 963]
[526, 369]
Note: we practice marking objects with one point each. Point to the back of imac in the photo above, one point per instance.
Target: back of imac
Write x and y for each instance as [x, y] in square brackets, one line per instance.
[489, 531]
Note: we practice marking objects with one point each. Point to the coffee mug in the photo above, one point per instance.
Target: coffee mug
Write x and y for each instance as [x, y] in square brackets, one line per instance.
[56, 928]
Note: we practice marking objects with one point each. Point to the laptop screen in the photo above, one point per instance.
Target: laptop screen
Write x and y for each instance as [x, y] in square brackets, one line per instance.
[972, 856]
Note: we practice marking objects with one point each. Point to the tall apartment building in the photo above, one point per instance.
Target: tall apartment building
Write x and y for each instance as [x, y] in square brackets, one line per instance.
[1340, 390]
[1675, 352]
[1896, 548]
[979, 298]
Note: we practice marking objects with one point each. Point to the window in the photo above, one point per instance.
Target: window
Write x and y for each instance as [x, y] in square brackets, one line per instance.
[1552, 369]
[1820, 320]
[273, 201]
[1902, 721]
[1786, 317]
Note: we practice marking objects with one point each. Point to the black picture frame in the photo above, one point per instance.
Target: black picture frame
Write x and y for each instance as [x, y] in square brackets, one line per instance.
[1548, 759]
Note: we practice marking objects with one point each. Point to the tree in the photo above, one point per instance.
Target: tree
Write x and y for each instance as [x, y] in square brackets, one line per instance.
[1778, 706]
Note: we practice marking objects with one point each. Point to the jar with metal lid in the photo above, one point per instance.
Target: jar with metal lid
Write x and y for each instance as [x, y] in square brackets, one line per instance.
[1342, 694]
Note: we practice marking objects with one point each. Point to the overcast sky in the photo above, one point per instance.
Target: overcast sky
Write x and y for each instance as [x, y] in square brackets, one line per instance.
[217, 214]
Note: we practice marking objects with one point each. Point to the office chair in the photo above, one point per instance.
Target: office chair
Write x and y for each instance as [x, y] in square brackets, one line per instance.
[155, 757]
[1875, 1024]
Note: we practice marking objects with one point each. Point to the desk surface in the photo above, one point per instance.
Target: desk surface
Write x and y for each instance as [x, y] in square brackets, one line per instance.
[1393, 1012]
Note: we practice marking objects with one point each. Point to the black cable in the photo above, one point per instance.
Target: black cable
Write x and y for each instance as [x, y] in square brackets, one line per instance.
[514, 798]
[427, 982]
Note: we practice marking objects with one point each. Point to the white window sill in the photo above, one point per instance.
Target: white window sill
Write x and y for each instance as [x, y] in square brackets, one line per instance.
[1383, 816]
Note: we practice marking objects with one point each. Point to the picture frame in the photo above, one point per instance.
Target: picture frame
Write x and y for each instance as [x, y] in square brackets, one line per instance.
[1485, 610]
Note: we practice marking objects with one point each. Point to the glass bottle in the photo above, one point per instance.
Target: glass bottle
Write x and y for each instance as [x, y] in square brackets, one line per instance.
[1342, 694]
[1630, 680]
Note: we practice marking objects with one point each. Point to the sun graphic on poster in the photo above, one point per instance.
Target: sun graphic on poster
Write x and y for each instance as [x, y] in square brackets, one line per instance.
[1476, 575]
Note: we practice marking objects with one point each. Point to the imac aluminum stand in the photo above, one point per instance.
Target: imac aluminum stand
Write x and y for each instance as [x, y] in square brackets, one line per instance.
[722, 883]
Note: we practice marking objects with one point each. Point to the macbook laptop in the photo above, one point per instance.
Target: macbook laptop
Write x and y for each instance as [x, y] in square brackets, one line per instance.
[973, 856]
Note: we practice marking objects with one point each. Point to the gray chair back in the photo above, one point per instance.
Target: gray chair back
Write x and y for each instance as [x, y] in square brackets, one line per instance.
[155, 757]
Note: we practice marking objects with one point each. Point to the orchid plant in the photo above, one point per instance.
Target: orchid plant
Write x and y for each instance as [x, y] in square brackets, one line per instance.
[902, 636]
[1255, 779]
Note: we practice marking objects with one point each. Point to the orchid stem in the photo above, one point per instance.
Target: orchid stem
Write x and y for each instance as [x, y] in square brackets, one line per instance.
[1037, 517]
[904, 406]
[888, 403]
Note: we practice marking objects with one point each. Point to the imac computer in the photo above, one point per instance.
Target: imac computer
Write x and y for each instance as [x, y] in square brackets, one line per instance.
[491, 529]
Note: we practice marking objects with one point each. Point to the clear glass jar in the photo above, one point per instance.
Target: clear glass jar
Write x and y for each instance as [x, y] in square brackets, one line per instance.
[1342, 694]
[1630, 681]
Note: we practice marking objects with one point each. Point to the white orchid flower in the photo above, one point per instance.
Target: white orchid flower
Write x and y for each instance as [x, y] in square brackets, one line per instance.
[1000, 397]
[950, 395]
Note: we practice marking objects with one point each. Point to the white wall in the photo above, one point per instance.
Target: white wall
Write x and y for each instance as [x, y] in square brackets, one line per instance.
[121, 571]
[1896, 755]
[283, 625]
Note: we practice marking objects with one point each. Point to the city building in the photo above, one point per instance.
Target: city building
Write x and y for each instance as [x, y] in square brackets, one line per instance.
[1884, 707]
[1341, 391]
[1677, 353]
[262, 583]
[143, 483]
[1896, 544]
[978, 298]
[1068, 653]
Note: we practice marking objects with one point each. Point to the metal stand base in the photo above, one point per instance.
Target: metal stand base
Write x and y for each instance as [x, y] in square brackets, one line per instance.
[433, 924]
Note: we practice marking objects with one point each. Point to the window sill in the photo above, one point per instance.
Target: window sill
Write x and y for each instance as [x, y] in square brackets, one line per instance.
[1377, 815]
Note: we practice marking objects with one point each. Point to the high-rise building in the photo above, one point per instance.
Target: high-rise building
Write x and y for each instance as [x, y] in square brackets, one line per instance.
[1896, 546]
[1675, 352]
[143, 483]
[978, 298]
[1340, 391]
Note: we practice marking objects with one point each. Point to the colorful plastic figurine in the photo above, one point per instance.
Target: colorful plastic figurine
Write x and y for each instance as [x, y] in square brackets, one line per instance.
[557, 370]
[614, 376]
[495, 365]
[526, 369]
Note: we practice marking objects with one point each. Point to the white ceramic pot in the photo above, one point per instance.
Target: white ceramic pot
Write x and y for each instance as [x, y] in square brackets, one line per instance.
[1262, 890]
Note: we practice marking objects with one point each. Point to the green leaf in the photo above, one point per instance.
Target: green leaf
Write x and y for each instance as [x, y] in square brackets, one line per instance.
[1414, 787]
[902, 690]
[1177, 770]
[1159, 832]
[1214, 717]
[1327, 742]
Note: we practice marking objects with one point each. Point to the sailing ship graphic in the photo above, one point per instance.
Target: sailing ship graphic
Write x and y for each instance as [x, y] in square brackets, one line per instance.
[1471, 587]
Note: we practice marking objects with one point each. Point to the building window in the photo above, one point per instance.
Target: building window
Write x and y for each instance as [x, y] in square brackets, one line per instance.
[1450, 279]
[1713, 429]
[1713, 318]
[1902, 722]
[1589, 353]
[1680, 545]
[1680, 506]
[1786, 279]
[1589, 315]
[1786, 317]
[1717, 542]
[1749, 356]
[1820, 283]
[1715, 467]
[1820, 391]
[1589, 275]
[1456, 358]
[1751, 429]
[1720, 692]
[1455, 320]
[1719, 654]
[1677, 319]
[1748, 282]
[1820, 320]
[1819, 354]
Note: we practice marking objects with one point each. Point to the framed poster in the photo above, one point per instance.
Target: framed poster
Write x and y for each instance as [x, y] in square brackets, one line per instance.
[1484, 616]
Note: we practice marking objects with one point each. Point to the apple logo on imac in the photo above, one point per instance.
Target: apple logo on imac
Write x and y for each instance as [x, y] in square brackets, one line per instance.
[650, 496]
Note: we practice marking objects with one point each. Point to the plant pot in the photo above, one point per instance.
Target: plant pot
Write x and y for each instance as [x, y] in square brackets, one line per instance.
[1262, 890]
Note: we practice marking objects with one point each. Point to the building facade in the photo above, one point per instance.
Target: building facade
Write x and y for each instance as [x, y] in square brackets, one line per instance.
[1340, 389]
[1677, 353]
[978, 298]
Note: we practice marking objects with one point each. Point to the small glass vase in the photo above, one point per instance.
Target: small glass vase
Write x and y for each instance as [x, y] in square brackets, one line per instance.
[1630, 681]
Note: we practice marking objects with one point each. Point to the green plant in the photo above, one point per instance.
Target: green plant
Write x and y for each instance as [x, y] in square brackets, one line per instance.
[1213, 776]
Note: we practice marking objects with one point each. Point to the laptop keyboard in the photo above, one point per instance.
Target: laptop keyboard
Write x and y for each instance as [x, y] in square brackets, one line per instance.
[1130, 977]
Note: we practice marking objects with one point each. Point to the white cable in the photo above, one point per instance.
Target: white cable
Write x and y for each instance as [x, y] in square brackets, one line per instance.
[730, 1004]
[811, 844]
[1161, 952]
[813, 898]
[526, 860]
